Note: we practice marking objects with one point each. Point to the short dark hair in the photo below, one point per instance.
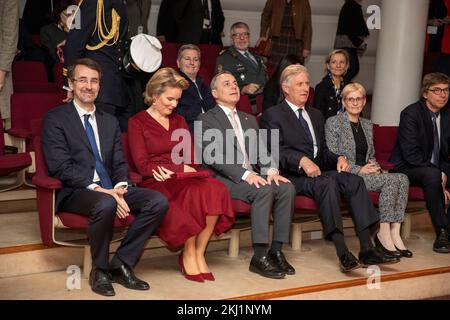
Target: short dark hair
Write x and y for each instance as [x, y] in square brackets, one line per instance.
[87, 62]
[432, 79]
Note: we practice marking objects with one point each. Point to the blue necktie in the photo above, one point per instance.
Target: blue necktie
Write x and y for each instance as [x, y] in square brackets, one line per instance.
[105, 181]
[435, 156]
[305, 125]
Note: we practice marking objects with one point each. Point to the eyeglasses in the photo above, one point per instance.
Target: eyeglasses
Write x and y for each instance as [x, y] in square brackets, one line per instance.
[190, 60]
[438, 91]
[242, 35]
[353, 100]
[86, 81]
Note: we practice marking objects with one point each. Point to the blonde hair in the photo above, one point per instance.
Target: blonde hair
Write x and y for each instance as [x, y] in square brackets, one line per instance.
[352, 87]
[162, 79]
[332, 53]
[290, 71]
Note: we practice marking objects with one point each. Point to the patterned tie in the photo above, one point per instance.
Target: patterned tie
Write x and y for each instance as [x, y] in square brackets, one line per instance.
[240, 138]
[105, 181]
[435, 155]
[304, 124]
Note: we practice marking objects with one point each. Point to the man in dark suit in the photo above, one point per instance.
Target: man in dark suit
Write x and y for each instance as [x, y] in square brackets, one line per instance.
[317, 172]
[422, 151]
[251, 176]
[199, 21]
[197, 98]
[82, 148]
[102, 37]
[247, 67]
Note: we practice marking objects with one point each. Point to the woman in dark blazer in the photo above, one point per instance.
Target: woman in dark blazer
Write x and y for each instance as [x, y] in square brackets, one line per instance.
[197, 98]
[327, 96]
[352, 136]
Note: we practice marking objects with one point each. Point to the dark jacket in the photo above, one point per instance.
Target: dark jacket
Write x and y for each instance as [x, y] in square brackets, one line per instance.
[189, 19]
[294, 143]
[414, 144]
[190, 104]
[325, 98]
[165, 25]
[113, 89]
[242, 69]
[352, 24]
[69, 155]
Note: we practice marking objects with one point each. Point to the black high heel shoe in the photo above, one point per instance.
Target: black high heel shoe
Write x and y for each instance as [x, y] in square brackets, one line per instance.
[405, 253]
[387, 253]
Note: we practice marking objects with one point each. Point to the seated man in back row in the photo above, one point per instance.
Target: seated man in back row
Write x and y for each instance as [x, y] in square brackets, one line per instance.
[247, 67]
[82, 149]
[317, 172]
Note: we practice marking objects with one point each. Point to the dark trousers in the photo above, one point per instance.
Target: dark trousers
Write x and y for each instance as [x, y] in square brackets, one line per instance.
[327, 190]
[148, 206]
[353, 68]
[430, 179]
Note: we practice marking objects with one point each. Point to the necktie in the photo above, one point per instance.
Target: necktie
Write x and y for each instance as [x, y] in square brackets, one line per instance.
[435, 155]
[304, 124]
[252, 60]
[240, 138]
[105, 181]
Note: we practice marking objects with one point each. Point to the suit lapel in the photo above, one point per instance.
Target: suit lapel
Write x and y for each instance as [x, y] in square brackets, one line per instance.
[222, 118]
[102, 133]
[315, 124]
[78, 126]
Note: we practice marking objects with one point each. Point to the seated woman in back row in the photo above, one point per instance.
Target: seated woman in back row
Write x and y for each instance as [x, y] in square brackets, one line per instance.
[352, 136]
[198, 204]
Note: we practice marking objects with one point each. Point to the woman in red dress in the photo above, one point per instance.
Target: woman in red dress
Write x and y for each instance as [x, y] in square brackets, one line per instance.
[198, 204]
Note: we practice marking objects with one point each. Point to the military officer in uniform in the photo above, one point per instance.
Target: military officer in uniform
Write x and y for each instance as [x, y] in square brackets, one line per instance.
[247, 67]
[99, 31]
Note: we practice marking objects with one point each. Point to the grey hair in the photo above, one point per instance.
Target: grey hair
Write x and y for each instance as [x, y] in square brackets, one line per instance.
[291, 71]
[188, 46]
[214, 79]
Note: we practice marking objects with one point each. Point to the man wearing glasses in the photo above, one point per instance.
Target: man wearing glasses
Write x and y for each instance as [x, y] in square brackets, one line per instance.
[247, 67]
[81, 145]
[422, 151]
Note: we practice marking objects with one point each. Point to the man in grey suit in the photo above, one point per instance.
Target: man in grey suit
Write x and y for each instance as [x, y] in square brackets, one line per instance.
[268, 192]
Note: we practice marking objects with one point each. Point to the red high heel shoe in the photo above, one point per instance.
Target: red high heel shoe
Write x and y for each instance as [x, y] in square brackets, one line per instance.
[208, 276]
[192, 277]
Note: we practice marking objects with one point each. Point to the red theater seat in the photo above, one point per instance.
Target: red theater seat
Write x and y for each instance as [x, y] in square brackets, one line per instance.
[51, 220]
[10, 163]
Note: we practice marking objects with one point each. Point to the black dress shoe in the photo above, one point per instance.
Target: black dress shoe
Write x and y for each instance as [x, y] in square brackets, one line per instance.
[278, 259]
[348, 262]
[388, 253]
[405, 253]
[125, 276]
[266, 268]
[442, 243]
[375, 256]
[100, 282]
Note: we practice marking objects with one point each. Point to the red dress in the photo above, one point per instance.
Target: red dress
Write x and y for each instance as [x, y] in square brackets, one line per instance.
[190, 199]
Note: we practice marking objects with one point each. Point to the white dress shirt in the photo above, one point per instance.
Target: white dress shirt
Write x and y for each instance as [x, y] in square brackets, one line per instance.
[297, 111]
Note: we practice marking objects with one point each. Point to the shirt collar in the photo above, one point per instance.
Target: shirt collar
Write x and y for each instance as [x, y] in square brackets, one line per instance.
[81, 112]
[227, 110]
[293, 106]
